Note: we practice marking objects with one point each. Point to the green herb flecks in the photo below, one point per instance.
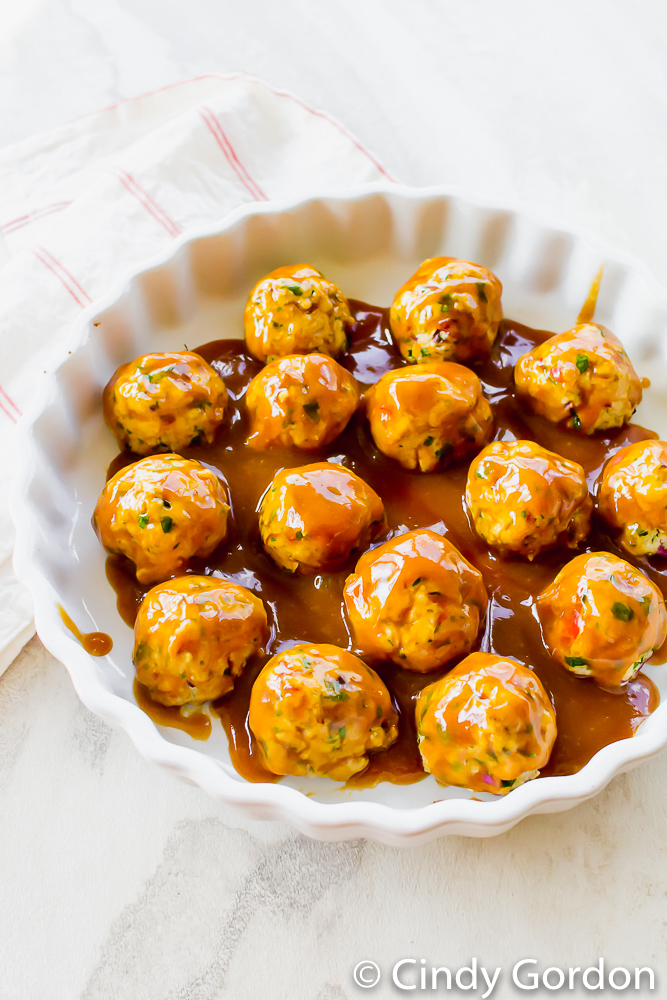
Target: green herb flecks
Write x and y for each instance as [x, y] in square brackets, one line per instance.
[582, 363]
[166, 523]
[312, 411]
[143, 520]
[622, 612]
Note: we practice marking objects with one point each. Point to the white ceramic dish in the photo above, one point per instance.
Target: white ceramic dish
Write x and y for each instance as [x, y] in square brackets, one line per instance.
[368, 242]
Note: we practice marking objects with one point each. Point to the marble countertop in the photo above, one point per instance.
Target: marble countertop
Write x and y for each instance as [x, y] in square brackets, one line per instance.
[119, 882]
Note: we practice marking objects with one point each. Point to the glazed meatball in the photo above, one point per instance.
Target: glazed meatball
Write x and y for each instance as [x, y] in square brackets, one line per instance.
[582, 378]
[315, 517]
[301, 401]
[193, 636]
[602, 618]
[633, 497]
[488, 725]
[429, 416]
[164, 402]
[449, 310]
[295, 310]
[160, 512]
[524, 499]
[319, 710]
[415, 600]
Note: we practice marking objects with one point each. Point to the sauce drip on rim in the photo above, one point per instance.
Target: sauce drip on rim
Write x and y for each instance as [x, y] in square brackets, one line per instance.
[309, 608]
[95, 643]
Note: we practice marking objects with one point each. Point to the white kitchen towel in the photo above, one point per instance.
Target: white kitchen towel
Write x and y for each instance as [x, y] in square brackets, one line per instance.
[81, 204]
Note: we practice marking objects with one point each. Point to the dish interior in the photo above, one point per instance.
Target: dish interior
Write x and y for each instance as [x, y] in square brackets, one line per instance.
[368, 250]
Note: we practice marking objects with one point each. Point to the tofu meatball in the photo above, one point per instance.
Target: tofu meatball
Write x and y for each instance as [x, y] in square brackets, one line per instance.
[523, 499]
[160, 512]
[193, 636]
[415, 600]
[164, 402]
[301, 401]
[488, 725]
[449, 310]
[582, 378]
[315, 517]
[632, 497]
[429, 416]
[319, 710]
[602, 618]
[295, 310]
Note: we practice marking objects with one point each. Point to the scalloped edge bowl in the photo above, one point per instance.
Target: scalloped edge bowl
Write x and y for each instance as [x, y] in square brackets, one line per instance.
[368, 241]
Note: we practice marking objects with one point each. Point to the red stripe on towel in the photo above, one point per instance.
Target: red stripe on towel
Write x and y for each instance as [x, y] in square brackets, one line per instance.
[39, 213]
[225, 145]
[80, 296]
[9, 400]
[151, 206]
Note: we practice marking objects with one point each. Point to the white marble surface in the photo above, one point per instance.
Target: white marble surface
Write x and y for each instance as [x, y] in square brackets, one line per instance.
[117, 882]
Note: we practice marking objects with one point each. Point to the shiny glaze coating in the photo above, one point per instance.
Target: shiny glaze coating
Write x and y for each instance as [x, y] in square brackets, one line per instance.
[449, 310]
[429, 416]
[415, 600]
[632, 497]
[411, 501]
[302, 401]
[319, 710]
[161, 511]
[524, 499]
[164, 402]
[488, 725]
[582, 378]
[316, 516]
[193, 636]
[602, 618]
[295, 310]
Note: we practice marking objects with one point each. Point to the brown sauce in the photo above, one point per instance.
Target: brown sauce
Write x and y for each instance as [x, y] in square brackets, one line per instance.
[95, 643]
[309, 608]
[197, 723]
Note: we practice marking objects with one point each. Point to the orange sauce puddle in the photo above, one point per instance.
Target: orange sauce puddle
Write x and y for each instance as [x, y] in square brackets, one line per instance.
[232, 710]
[95, 643]
[309, 609]
[197, 724]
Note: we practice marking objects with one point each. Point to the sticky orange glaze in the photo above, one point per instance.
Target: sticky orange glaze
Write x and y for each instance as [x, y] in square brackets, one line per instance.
[197, 724]
[588, 309]
[95, 643]
[309, 608]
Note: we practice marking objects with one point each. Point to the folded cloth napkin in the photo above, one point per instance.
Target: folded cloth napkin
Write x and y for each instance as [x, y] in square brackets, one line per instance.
[81, 204]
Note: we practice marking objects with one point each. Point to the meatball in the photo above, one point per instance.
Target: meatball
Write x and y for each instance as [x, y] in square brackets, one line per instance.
[582, 378]
[449, 310]
[602, 618]
[160, 512]
[193, 636]
[429, 416]
[488, 725]
[315, 517]
[164, 402]
[633, 497]
[295, 310]
[319, 710]
[415, 600]
[523, 498]
[301, 401]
